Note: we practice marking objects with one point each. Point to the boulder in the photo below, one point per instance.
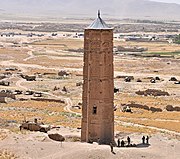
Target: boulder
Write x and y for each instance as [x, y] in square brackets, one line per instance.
[169, 108]
[56, 137]
[157, 78]
[139, 80]
[152, 80]
[173, 79]
[63, 73]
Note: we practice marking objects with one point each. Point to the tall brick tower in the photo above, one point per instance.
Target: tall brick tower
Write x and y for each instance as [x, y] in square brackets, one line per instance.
[98, 87]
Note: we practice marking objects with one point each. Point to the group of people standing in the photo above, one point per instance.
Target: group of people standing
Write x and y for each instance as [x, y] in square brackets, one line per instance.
[145, 138]
[122, 143]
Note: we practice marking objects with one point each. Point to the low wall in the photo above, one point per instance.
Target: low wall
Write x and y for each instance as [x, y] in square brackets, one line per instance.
[48, 100]
[8, 95]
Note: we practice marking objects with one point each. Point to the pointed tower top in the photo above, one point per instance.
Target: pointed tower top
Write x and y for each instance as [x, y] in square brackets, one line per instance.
[98, 23]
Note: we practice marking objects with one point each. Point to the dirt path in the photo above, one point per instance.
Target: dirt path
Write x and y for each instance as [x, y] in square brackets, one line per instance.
[144, 119]
[69, 106]
[149, 127]
[30, 53]
[19, 82]
[19, 85]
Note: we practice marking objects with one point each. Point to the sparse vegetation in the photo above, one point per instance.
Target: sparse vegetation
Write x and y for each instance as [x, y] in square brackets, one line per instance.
[177, 39]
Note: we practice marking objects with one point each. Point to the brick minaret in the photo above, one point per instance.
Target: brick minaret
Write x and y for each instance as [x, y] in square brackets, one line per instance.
[98, 87]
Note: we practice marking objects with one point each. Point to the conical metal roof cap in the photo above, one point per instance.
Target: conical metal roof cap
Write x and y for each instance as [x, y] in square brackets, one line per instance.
[98, 23]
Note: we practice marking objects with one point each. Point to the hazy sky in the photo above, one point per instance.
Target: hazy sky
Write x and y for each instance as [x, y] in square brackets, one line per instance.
[168, 1]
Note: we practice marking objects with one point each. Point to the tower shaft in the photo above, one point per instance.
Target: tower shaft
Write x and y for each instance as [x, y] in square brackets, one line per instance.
[98, 86]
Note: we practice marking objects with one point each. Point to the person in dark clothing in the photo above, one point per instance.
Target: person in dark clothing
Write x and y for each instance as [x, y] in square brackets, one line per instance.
[128, 140]
[118, 141]
[143, 139]
[147, 140]
[122, 143]
[111, 145]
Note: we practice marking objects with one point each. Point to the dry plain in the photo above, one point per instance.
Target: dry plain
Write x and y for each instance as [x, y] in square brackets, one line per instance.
[45, 57]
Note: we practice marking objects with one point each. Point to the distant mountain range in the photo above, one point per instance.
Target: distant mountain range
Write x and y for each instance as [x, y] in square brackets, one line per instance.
[137, 9]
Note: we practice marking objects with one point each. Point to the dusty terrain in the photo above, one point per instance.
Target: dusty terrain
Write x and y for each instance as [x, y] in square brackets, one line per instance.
[38, 145]
[44, 57]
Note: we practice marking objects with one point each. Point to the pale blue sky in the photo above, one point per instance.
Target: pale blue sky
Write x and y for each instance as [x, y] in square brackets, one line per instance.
[168, 1]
